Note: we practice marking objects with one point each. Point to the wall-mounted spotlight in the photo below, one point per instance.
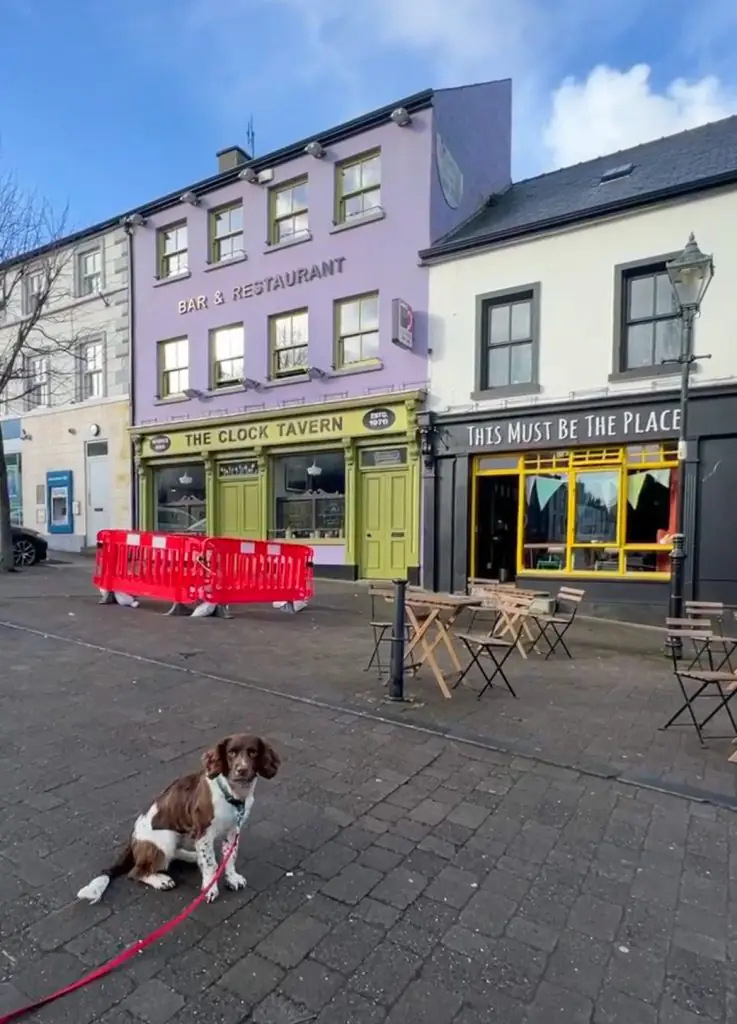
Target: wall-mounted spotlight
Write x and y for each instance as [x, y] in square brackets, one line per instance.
[133, 220]
[249, 384]
[248, 174]
[401, 117]
[315, 149]
[189, 197]
[315, 373]
[194, 393]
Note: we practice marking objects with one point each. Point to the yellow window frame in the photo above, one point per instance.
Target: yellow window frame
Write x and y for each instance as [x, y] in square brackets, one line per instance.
[570, 463]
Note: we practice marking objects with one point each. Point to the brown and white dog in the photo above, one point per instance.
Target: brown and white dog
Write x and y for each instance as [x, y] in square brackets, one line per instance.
[209, 805]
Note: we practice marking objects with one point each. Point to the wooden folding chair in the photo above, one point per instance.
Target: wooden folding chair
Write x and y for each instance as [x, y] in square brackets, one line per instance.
[558, 624]
[700, 633]
[721, 646]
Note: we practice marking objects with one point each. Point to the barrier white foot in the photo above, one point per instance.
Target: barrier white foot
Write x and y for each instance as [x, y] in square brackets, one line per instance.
[118, 597]
[177, 609]
[290, 607]
[207, 610]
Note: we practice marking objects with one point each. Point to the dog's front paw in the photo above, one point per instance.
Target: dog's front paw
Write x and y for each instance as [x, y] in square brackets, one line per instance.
[235, 881]
[212, 894]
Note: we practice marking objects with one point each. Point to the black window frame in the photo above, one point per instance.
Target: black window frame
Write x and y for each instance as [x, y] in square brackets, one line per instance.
[623, 274]
[484, 304]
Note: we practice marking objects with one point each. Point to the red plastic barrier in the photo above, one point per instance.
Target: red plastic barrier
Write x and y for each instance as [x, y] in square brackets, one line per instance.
[255, 571]
[188, 568]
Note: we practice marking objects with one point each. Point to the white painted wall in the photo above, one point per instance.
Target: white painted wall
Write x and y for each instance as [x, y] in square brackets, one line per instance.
[576, 271]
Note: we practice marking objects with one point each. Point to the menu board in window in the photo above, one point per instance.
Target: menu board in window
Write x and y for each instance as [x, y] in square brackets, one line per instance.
[231, 470]
[329, 516]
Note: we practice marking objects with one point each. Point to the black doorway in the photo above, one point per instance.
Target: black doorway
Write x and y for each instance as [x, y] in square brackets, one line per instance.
[495, 526]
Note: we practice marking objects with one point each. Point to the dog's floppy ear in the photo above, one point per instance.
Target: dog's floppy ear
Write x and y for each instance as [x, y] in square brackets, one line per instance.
[267, 761]
[215, 760]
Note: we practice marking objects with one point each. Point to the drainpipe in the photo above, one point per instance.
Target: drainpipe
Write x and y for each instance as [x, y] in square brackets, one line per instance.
[128, 228]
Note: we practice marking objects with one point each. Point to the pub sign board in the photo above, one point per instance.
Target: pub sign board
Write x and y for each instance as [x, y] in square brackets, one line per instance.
[638, 424]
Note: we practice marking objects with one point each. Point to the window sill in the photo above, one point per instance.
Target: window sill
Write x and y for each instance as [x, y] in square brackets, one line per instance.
[170, 400]
[283, 382]
[368, 218]
[159, 282]
[367, 366]
[647, 373]
[230, 389]
[287, 243]
[649, 577]
[225, 263]
[310, 541]
[511, 391]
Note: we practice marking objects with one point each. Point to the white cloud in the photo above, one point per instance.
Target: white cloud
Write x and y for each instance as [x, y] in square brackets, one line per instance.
[613, 110]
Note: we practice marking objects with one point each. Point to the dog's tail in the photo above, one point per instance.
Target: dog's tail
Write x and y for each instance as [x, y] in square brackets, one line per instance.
[95, 890]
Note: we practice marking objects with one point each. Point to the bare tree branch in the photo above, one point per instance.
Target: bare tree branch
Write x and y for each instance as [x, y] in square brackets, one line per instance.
[39, 346]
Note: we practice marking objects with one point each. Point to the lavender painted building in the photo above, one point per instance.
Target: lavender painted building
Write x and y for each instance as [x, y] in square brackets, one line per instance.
[280, 329]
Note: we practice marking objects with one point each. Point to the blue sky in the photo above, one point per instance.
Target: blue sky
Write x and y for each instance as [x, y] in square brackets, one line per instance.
[106, 105]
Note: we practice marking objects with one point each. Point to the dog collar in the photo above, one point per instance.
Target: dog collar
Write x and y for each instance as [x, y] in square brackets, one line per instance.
[232, 800]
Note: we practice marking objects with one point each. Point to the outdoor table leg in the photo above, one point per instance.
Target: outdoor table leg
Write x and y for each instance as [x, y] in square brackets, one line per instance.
[428, 655]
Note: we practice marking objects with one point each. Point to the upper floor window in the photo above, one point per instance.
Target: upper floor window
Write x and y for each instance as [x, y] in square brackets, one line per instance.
[173, 367]
[37, 383]
[226, 233]
[173, 251]
[651, 325]
[289, 216]
[358, 329]
[359, 187]
[33, 288]
[89, 272]
[507, 340]
[289, 343]
[226, 355]
[92, 370]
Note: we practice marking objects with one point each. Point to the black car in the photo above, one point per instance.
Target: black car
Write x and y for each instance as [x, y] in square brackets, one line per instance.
[29, 547]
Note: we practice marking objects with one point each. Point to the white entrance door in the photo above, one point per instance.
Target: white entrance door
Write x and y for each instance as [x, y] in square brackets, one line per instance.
[98, 490]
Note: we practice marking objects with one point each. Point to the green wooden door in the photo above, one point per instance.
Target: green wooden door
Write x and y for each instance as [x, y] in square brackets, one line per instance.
[239, 505]
[384, 518]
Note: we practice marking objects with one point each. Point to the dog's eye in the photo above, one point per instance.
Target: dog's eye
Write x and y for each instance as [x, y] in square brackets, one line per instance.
[251, 753]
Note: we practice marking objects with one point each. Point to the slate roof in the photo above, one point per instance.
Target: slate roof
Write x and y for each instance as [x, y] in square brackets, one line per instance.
[674, 166]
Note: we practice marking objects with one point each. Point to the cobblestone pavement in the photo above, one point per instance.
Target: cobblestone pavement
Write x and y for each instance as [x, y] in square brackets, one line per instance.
[394, 875]
[602, 712]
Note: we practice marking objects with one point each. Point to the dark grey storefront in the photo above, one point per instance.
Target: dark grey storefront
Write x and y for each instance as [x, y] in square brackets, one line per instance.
[564, 520]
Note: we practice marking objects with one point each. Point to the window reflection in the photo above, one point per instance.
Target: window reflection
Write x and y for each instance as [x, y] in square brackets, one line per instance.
[546, 521]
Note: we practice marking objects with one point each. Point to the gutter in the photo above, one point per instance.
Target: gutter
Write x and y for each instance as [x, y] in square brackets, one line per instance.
[128, 228]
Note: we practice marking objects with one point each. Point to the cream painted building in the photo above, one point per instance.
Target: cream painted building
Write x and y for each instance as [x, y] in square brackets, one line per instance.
[554, 382]
[65, 415]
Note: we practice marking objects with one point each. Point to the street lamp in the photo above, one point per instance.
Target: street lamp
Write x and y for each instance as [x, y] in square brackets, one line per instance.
[690, 274]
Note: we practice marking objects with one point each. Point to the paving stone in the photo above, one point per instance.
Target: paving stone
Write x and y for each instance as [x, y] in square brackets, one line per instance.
[578, 963]
[252, 978]
[422, 926]
[537, 935]
[350, 1008]
[352, 884]
[425, 1001]
[595, 917]
[469, 815]
[696, 983]
[453, 886]
[615, 1007]
[553, 1004]
[311, 984]
[329, 859]
[380, 914]
[429, 812]
[400, 887]
[488, 913]
[637, 973]
[154, 1002]
[293, 939]
[379, 859]
[348, 945]
[276, 1009]
[385, 973]
[192, 972]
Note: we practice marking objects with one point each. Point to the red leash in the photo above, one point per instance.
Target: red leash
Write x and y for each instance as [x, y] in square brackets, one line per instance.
[128, 954]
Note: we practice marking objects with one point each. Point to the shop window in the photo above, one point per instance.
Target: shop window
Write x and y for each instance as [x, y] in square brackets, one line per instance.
[179, 497]
[545, 524]
[618, 517]
[309, 496]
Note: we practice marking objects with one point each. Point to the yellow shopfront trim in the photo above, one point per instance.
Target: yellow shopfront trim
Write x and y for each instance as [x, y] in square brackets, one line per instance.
[241, 456]
[623, 470]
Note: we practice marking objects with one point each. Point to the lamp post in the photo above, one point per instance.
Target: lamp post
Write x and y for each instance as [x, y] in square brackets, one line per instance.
[690, 275]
